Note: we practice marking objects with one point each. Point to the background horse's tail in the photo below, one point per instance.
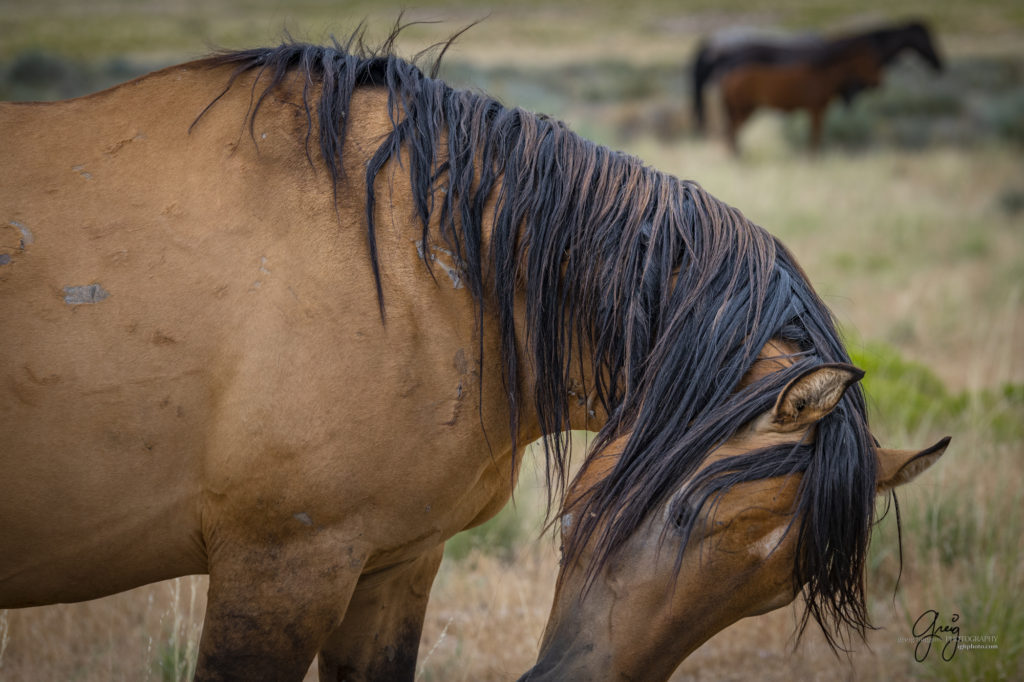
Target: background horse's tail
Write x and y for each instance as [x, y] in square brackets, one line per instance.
[702, 68]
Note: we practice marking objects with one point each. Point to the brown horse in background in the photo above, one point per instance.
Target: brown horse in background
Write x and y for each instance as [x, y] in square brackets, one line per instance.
[801, 73]
[290, 316]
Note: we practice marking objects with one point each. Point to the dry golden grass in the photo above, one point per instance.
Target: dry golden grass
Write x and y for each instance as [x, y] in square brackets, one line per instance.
[123, 637]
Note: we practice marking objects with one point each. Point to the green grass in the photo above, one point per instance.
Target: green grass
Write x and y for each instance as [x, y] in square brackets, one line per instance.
[988, 16]
[176, 659]
[186, 27]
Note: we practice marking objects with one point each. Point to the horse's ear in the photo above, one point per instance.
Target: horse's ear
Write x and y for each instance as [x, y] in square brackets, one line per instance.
[896, 467]
[812, 395]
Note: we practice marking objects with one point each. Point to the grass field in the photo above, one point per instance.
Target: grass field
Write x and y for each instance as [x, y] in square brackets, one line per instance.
[910, 224]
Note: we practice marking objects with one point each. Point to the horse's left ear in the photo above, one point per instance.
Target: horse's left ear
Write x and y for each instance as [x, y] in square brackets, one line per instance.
[812, 395]
[896, 467]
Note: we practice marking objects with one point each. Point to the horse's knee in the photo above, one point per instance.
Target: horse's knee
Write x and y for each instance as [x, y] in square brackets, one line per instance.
[243, 644]
[380, 635]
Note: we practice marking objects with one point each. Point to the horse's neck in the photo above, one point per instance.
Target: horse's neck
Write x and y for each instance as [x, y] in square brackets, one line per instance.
[857, 63]
[584, 409]
[888, 46]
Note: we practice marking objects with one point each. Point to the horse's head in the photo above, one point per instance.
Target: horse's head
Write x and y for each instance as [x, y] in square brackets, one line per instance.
[698, 562]
[916, 37]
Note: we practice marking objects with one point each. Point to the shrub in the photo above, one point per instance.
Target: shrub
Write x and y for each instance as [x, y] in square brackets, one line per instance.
[901, 393]
[497, 537]
[1005, 116]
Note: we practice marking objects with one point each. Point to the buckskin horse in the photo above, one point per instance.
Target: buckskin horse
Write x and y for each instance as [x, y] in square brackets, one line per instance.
[289, 316]
[800, 73]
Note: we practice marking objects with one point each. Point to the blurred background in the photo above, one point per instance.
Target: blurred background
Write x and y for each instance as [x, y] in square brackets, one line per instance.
[909, 221]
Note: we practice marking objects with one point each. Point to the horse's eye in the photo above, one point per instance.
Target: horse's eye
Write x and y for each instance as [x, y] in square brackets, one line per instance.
[681, 514]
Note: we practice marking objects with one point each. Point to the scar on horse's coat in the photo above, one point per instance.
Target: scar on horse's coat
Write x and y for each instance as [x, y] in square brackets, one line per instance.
[16, 240]
[450, 269]
[80, 295]
[26, 234]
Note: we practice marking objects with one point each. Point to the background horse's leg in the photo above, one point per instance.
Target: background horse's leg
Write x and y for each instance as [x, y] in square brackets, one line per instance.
[271, 607]
[737, 114]
[817, 119]
[380, 636]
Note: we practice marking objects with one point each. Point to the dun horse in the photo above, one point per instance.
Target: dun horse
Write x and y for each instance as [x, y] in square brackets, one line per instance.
[289, 316]
[802, 73]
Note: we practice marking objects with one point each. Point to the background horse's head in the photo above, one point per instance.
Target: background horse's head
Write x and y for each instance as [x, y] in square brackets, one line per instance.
[913, 36]
[709, 555]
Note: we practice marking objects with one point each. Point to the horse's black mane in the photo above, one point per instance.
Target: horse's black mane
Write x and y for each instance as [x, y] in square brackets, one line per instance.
[670, 292]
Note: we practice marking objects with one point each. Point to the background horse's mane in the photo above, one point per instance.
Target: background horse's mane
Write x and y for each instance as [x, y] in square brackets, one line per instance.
[885, 42]
[666, 292]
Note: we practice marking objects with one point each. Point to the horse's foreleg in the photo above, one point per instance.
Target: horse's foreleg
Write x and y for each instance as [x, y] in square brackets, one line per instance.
[271, 607]
[380, 636]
